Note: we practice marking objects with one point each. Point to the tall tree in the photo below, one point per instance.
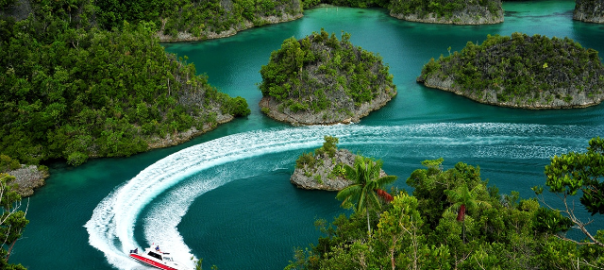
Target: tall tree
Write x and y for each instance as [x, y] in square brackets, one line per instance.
[367, 181]
[465, 200]
[573, 172]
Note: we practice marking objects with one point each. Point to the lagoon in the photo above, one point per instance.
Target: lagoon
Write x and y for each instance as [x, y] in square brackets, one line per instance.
[226, 196]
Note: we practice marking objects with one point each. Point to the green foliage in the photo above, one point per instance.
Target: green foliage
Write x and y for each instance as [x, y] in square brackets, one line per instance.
[12, 220]
[73, 91]
[301, 73]
[522, 69]
[440, 8]
[8, 164]
[238, 107]
[362, 195]
[421, 231]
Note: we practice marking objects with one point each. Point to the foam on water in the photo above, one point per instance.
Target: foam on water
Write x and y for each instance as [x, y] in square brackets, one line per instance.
[111, 227]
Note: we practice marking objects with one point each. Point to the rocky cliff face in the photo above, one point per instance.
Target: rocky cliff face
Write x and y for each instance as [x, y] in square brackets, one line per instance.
[589, 11]
[321, 176]
[331, 116]
[470, 13]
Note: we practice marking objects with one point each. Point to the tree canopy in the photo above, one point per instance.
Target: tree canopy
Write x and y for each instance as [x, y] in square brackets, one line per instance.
[521, 71]
[71, 90]
[325, 77]
[421, 231]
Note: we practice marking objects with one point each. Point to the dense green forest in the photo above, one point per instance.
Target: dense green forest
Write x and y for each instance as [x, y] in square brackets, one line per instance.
[71, 90]
[521, 70]
[200, 19]
[324, 76]
[456, 220]
[441, 8]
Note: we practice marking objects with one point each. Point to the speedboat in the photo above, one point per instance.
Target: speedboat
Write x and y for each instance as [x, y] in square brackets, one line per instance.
[153, 256]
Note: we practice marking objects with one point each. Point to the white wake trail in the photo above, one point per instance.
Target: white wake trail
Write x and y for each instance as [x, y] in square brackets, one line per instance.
[111, 227]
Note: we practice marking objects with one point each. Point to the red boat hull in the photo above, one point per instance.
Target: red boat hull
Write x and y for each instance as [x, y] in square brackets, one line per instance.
[151, 262]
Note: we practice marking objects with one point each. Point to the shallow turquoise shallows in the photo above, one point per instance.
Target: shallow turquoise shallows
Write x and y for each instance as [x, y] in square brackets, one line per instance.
[226, 197]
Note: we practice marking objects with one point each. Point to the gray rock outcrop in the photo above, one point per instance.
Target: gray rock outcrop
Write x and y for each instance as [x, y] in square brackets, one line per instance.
[28, 177]
[321, 176]
[471, 14]
[589, 11]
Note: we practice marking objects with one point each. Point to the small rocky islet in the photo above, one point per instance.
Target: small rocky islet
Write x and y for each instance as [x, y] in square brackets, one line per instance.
[521, 71]
[324, 169]
[322, 80]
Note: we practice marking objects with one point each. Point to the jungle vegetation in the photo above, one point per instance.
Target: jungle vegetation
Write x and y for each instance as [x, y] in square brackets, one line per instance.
[455, 220]
[441, 8]
[71, 90]
[521, 68]
[321, 73]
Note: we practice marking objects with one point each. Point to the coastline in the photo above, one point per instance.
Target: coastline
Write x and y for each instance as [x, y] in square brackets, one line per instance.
[491, 94]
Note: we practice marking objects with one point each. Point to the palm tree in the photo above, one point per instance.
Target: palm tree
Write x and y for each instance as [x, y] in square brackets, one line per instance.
[367, 181]
[465, 199]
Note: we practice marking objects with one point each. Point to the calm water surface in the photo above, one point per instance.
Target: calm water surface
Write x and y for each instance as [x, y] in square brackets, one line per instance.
[226, 196]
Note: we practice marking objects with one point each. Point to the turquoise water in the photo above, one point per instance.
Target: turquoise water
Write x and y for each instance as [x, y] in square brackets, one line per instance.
[226, 196]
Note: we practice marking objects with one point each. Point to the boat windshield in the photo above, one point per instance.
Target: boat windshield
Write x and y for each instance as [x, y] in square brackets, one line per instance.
[154, 255]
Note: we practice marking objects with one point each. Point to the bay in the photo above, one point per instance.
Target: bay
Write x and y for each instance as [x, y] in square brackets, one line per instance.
[226, 196]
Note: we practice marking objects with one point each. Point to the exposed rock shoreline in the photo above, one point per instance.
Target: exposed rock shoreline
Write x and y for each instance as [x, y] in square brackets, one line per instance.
[28, 178]
[306, 178]
[591, 11]
[472, 14]
[181, 137]
[521, 71]
[580, 100]
[458, 19]
[308, 118]
[207, 35]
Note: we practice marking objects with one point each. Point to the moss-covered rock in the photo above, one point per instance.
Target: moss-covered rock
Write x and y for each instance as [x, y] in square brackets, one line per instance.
[521, 71]
[321, 80]
[464, 12]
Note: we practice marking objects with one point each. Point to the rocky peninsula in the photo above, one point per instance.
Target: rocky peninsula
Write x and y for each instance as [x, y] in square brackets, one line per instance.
[521, 71]
[322, 80]
[462, 12]
[589, 11]
[324, 169]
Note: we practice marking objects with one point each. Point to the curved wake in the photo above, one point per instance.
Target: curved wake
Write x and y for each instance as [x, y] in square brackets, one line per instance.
[111, 227]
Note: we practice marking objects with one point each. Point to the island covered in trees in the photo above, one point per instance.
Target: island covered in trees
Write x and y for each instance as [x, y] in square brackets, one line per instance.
[521, 71]
[463, 12]
[72, 90]
[322, 80]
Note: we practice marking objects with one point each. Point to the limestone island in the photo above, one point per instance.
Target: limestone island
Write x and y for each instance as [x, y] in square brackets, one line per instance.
[325, 168]
[321, 80]
[589, 11]
[521, 72]
[462, 12]
[201, 20]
